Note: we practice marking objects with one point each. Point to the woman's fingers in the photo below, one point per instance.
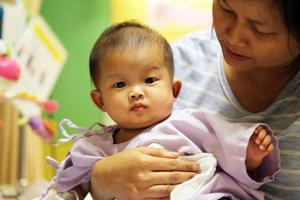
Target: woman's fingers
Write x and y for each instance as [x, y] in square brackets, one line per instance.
[158, 152]
[158, 185]
[163, 164]
[156, 161]
[169, 178]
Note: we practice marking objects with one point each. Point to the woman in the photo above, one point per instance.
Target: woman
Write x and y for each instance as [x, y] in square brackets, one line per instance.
[249, 72]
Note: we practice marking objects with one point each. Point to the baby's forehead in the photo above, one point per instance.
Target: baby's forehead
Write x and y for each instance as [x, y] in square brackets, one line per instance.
[121, 67]
[133, 47]
[133, 67]
[145, 54]
[141, 59]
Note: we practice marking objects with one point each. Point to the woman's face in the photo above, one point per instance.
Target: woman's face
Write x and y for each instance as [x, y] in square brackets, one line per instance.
[252, 35]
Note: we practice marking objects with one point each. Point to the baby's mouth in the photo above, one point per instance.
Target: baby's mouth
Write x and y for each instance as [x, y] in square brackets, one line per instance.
[138, 107]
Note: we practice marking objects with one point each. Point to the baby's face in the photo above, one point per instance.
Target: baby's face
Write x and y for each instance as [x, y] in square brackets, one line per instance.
[136, 87]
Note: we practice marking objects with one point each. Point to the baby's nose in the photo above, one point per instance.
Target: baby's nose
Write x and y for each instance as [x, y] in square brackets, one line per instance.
[137, 93]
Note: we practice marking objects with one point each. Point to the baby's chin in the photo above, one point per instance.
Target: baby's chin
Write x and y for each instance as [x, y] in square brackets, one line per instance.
[145, 124]
[138, 126]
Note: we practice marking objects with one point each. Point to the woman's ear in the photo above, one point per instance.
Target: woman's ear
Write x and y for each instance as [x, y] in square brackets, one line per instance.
[97, 99]
[176, 88]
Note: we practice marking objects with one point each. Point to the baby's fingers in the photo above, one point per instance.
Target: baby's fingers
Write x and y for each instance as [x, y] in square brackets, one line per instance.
[258, 129]
[266, 142]
[261, 136]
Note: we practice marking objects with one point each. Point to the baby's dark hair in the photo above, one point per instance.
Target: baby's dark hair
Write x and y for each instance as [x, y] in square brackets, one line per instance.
[126, 35]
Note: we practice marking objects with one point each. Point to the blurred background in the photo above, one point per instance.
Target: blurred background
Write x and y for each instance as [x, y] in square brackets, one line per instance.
[44, 77]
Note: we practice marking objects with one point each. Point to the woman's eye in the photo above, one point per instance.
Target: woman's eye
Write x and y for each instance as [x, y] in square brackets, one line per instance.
[265, 33]
[119, 85]
[225, 8]
[150, 80]
[260, 32]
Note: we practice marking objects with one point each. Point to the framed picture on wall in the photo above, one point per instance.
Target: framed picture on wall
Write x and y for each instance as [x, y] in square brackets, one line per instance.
[41, 57]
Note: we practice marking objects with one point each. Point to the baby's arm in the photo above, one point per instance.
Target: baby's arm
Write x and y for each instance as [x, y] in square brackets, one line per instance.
[260, 145]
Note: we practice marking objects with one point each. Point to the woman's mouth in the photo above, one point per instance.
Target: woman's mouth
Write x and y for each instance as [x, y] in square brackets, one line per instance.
[235, 56]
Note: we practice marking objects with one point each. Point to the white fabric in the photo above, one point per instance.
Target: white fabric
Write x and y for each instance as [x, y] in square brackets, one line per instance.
[187, 189]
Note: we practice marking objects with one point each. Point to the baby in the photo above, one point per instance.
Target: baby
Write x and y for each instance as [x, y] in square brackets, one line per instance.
[131, 67]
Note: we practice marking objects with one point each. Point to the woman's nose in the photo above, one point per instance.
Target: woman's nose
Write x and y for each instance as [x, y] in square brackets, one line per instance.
[235, 35]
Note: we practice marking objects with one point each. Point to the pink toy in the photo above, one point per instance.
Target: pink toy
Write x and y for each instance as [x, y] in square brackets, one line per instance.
[50, 106]
[9, 69]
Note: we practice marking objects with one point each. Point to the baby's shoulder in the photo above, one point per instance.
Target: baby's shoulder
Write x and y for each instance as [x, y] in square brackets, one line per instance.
[101, 134]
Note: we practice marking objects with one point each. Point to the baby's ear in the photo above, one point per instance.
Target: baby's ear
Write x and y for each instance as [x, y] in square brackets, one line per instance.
[176, 88]
[97, 99]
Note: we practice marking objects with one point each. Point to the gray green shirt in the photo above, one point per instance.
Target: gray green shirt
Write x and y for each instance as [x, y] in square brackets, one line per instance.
[199, 64]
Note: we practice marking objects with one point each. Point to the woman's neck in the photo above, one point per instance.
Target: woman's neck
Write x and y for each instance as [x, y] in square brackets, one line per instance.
[257, 90]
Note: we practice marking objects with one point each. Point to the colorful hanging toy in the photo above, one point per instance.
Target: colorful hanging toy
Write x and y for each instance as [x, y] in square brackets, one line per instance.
[9, 68]
[45, 128]
[50, 106]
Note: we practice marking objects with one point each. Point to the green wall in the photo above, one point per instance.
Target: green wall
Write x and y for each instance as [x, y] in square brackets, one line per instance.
[77, 23]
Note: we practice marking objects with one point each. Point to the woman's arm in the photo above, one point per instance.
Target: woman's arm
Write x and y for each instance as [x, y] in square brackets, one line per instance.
[139, 174]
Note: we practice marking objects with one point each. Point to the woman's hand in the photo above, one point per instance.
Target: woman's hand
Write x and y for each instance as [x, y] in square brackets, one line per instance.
[141, 173]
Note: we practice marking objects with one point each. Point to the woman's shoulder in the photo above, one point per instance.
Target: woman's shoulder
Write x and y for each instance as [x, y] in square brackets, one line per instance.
[205, 41]
[201, 35]
[196, 49]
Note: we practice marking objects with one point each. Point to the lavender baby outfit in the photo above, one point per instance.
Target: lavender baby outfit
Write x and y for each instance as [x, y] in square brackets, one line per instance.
[196, 136]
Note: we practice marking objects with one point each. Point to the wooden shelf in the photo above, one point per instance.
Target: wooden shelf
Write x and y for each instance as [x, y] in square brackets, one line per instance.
[22, 152]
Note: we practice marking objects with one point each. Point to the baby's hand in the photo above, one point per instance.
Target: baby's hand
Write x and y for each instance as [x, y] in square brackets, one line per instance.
[263, 140]
[260, 145]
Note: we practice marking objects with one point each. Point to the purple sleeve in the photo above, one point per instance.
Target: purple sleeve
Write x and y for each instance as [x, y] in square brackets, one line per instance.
[77, 166]
[228, 143]
[222, 185]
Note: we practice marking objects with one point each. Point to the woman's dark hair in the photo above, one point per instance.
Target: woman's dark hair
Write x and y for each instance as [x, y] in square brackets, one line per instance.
[122, 37]
[290, 14]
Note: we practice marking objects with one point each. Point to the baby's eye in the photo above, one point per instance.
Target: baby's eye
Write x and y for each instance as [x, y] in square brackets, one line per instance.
[119, 84]
[150, 80]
